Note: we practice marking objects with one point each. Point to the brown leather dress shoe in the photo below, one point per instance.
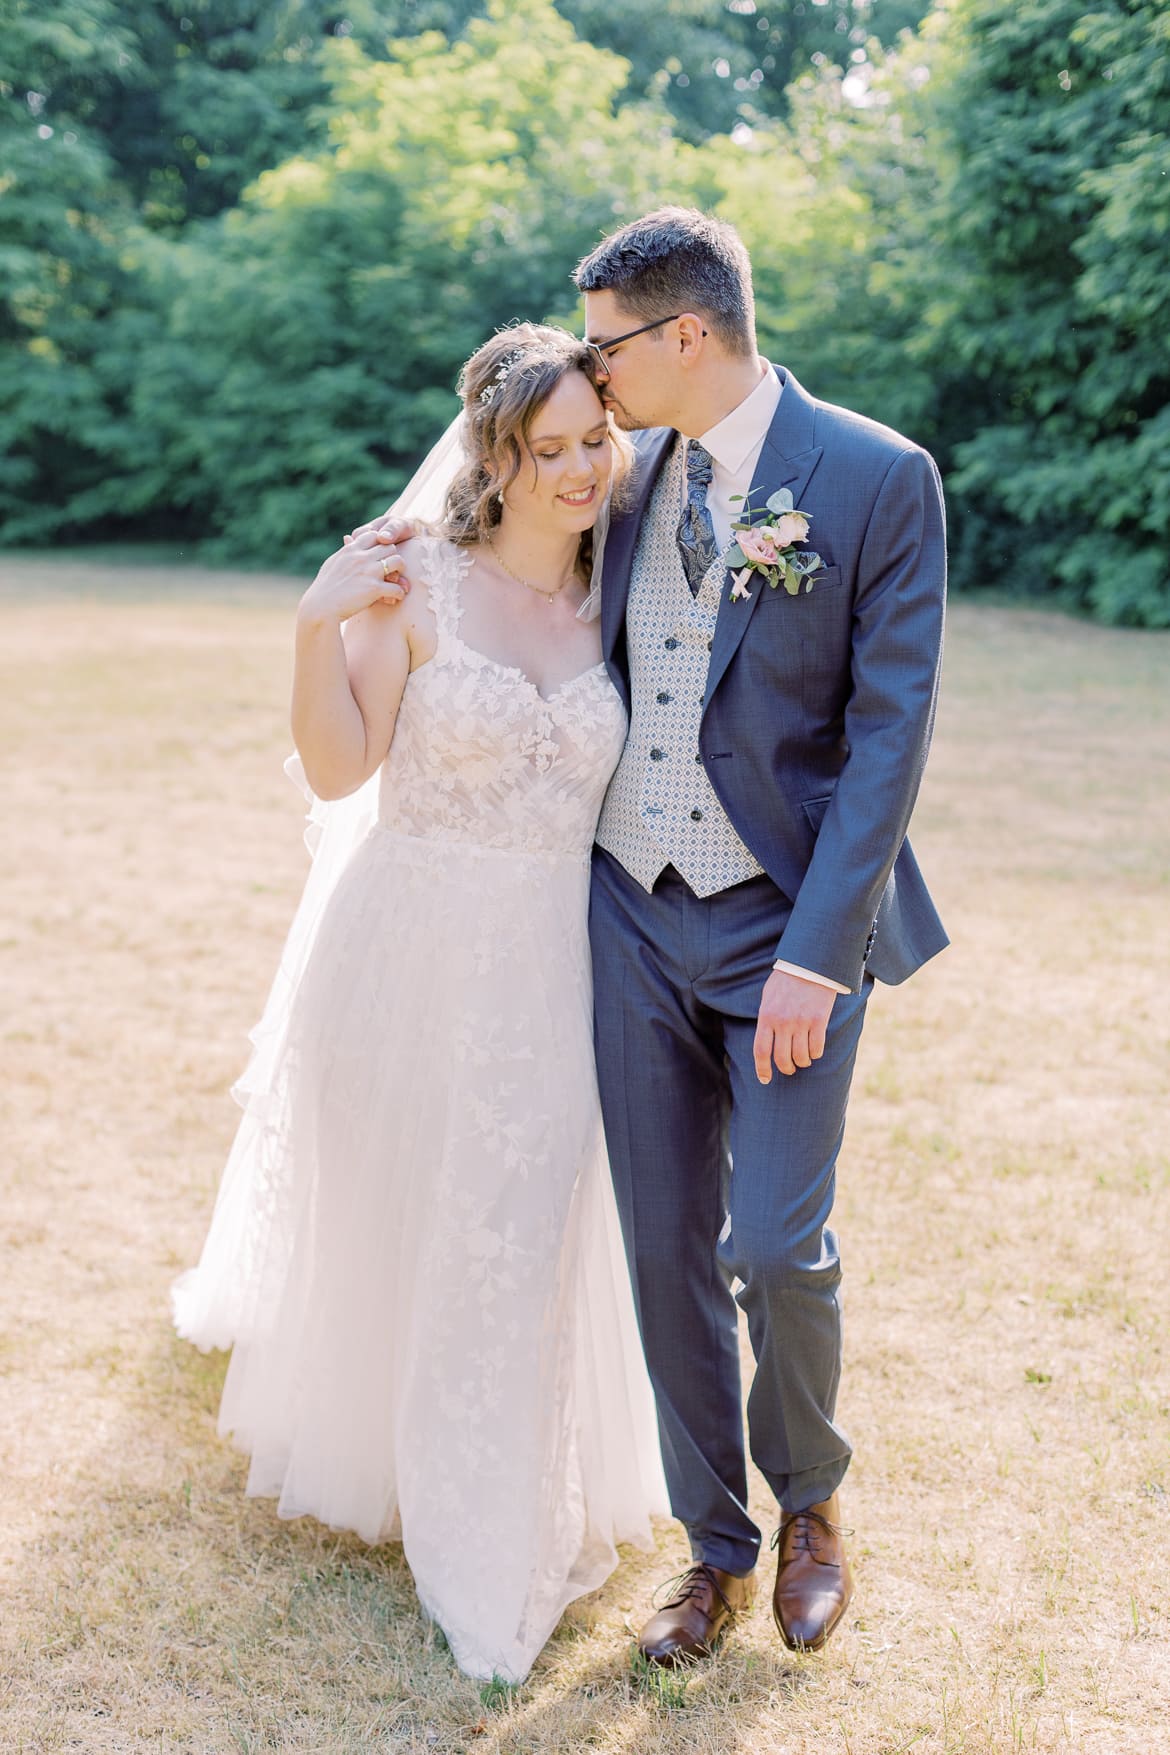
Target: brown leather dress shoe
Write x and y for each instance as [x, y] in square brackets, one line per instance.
[704, 1604]
[813, 1580]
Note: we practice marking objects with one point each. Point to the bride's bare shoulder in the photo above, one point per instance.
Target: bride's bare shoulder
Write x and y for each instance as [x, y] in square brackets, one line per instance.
[432, 566]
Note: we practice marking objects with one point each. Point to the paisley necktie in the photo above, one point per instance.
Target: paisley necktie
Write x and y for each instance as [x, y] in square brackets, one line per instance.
[696, 533]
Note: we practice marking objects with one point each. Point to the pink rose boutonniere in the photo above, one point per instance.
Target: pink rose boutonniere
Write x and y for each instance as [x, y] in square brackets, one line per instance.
[764, 544]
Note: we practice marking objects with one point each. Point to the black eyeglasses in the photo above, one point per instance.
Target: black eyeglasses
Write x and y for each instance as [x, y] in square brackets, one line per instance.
[599, 349]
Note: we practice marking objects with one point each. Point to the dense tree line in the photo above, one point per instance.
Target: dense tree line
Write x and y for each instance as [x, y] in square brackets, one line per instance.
[244, 245]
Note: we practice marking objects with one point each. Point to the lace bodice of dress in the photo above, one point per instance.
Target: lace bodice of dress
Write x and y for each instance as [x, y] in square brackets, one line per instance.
[479, 756]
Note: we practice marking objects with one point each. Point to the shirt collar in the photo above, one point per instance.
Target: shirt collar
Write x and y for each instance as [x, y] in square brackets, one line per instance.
[732, 440]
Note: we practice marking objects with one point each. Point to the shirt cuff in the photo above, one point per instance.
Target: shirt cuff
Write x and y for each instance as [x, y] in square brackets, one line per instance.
[809, 975]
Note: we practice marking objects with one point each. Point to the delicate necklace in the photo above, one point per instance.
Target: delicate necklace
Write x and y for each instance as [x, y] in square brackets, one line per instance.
[540, 590]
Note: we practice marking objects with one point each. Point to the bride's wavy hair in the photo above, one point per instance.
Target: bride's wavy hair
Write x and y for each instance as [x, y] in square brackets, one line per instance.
[504, 386]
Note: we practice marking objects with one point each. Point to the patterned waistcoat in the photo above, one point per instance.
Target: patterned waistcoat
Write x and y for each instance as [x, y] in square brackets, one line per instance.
[661, 809]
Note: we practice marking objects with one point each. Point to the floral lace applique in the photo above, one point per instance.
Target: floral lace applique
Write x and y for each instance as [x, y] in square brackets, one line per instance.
[480, 756]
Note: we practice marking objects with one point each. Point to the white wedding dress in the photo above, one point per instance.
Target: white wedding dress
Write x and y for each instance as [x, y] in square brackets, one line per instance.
[415, 1251]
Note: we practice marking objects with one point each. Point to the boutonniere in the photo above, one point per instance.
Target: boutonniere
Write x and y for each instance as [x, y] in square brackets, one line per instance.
[764, 544]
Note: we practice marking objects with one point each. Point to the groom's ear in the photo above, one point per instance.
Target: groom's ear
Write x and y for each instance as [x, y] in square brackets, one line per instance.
[692, 335]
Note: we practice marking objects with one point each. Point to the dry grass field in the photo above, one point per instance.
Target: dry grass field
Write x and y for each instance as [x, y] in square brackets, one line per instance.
[1005, 1213]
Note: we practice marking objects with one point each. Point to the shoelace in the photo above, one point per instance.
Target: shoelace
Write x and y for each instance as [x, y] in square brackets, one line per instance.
[690, 1583]
[807, 1527]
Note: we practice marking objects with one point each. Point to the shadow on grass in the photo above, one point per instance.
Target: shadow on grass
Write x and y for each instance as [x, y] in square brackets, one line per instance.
[159, 1602]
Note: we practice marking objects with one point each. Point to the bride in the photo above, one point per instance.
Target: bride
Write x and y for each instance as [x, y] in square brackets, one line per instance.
[415, 1252]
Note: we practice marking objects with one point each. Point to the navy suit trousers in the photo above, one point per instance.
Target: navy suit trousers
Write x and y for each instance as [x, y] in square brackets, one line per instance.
[724, 1187]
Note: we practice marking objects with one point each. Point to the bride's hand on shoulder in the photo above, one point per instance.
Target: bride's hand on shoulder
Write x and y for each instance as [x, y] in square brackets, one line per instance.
[364, 571]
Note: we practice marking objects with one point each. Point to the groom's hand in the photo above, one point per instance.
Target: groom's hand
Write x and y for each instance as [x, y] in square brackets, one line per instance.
[386, 532]
[388, 528]
[794, 1016]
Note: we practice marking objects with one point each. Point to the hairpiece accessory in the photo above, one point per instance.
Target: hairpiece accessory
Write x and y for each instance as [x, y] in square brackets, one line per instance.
[503, 372]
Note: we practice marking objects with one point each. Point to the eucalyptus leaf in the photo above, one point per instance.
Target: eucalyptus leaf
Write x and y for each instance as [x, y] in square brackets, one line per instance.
[780, 501]
[735, 556]
[791, 579]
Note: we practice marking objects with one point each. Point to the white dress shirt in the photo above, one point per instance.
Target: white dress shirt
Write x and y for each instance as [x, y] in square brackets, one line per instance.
[735, 443]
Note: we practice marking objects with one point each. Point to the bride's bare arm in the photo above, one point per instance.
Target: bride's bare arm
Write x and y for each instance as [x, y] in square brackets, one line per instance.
[346, 691]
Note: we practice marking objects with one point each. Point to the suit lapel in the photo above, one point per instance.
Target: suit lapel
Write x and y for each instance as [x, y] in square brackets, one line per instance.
[622, 538]
[787, 459]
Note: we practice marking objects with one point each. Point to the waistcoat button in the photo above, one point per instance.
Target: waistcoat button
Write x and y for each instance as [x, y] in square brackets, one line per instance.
[657, 755]
[696, 816]
[670, 643]
[662, 697]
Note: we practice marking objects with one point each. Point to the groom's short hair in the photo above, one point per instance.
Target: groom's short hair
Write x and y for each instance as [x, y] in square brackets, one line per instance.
[678, 259]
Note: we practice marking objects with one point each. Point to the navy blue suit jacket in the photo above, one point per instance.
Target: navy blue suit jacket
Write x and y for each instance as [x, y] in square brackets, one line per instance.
[819, 708]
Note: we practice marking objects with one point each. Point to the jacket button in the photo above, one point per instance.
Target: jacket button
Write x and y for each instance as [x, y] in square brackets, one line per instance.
[670, 643]
[662, 697]
[657, 755]
[696, 816]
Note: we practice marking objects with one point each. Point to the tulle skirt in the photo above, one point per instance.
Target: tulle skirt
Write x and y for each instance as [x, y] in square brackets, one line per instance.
[415, 1252]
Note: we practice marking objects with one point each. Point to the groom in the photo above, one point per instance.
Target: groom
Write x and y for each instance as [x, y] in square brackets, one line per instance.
[751, 879]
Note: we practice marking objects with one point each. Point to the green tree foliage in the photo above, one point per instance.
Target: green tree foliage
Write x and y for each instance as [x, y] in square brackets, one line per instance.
[1052, 298]
[833, 205]
[312, 339]
[188, 99]
[244, 246]
[226, 372]
[717, 66]
[225, 88]
[60, 273]
[714, 63]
